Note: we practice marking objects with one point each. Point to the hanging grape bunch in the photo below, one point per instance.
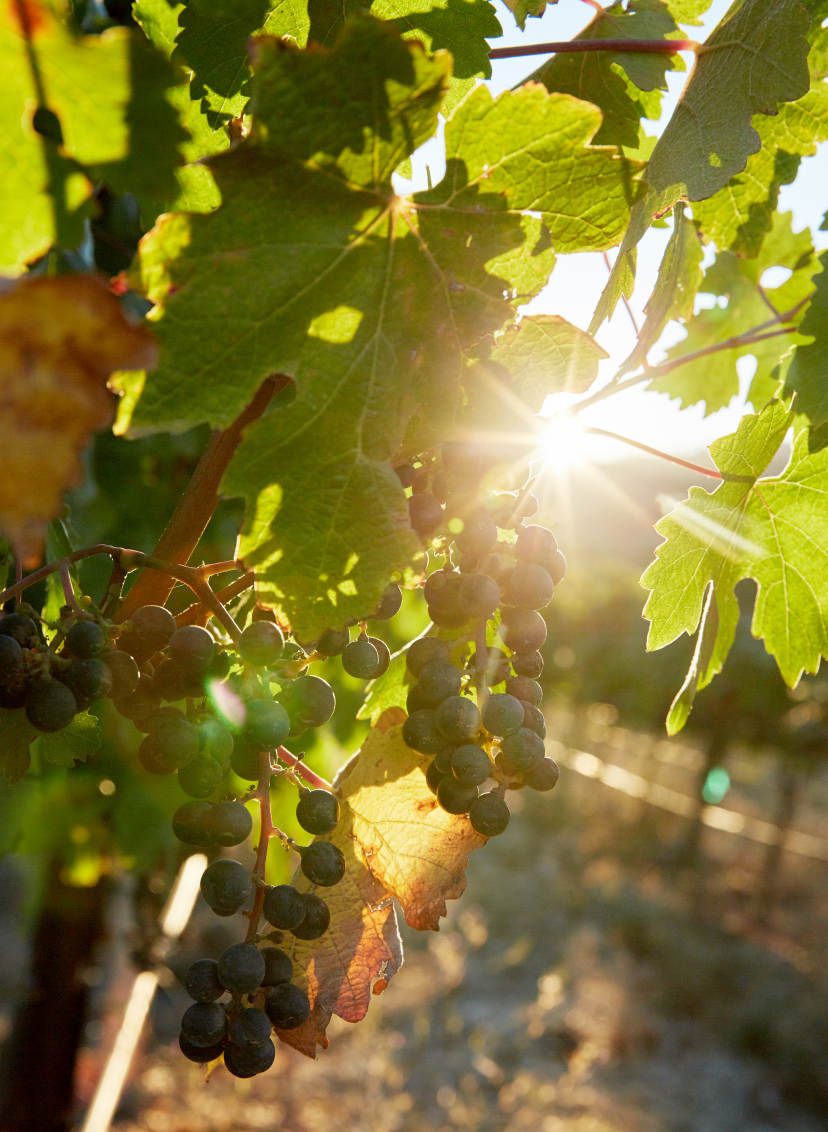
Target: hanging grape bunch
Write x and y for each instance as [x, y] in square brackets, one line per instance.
[497, 574]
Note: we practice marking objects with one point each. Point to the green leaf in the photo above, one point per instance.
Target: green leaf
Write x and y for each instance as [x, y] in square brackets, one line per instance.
[688, 11]
[679, 278]
[699, 674]
[388, 691]
[523, 9]
[739, 216]
[614, 81]
[74, 744]
[108, 93]
[765, 529]
[546, 354]
[818, 39]
[621, 281]
[159, 21]
[713, 378]
[755, 59]
[808, 372]
[374, 303]
[15, 735]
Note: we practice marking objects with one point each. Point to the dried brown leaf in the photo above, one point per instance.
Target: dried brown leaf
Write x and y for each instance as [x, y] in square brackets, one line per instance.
[60, 339]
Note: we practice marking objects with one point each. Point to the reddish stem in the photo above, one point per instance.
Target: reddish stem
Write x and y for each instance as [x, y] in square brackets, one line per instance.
[627, 46]
[655, 452]
[303, 771]
[265, 834]
[198, 613]
[68, 590]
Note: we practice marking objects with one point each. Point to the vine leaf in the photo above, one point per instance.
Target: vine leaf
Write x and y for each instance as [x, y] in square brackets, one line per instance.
[808, 372]
[739, 216]
[713, 378]
[524, 9]
[74, 744]
[373, 303]
[388, 691]
[546, 354]
[15, 735]
[701, 670]
[750, 528]
[679, 277]
[755, 59]
[613, 81]
[60, 339]
[688, 11]
[108, 93]
[413, 851]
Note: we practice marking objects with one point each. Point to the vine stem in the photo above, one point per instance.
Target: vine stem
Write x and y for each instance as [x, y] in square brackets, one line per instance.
[655, 452]
[265, 834]
[198, 502]
[303, 771]
[198, 612]
[481, 651]
[68, 589]
[627, 46]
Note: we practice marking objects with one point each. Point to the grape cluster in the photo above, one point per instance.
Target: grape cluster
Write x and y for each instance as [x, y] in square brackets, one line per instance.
[489, 580]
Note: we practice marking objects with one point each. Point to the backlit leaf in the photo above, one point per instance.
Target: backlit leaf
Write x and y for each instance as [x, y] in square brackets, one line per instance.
[755, 59]
[15, 735]
[546, 354]
[748, 527]
[524, 9]
[74, 744]
[808, 372]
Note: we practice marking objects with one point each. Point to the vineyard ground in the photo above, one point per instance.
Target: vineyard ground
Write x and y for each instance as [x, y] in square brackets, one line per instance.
[583, 984]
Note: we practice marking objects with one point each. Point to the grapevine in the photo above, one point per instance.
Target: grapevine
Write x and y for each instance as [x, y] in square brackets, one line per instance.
[226, 252]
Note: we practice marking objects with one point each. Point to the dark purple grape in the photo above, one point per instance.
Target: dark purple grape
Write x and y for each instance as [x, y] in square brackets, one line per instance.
[241, 968]
[261, 643]
[360, 659]
[332, 642]
[192, 648]
[454, 797]
[202, 1054]
[479, 595]
[140, 702]
[424, 650]
[244, 760]
[489, 815]
[425, 514]
[250, 1028]
[457, 719]
[154, 625]
[522, 688]
[502, 714]
[316, 920]
[11, 658]
[556, 567]
[530, 586]
[225, 885]
[287, 1006]
[420, 732]
[524, 629]
[202, 982]
[88, 680]
[479, 534]
[434, 776]
[191, 824]
[384, 654]
[231, 823]
[309, 702]
[535, 544]
[21, 629]
[415, 701]
[278, 966]
[390, 603]
[406, 473]
[244, 1063]
[470, 765]
[527, 664]
[317, 811]
[323, 863]
[166, 681]
[204, 1023]
[438, 681]
[85, 639]
[266, 724]
[533, 719]
[50, 706]
[544, 775]
[124, 672]
[283, 907]
[523, 750]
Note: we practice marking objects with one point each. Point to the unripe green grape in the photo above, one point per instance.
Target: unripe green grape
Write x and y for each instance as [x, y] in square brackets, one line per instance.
[522, 688]
[438, 681]
[174, 743]
[420, 732]
[523, 750]
[360, 659]
[457, 719]
[215, 742]
[454, 797]
[470, 765]
[489, 815]
[200, 777]
[261, 643]
[502, 714]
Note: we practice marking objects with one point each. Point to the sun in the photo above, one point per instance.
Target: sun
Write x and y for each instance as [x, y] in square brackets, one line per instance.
[562, 442]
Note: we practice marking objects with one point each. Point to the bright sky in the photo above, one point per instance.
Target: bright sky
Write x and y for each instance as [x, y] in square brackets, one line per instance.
[579, 279]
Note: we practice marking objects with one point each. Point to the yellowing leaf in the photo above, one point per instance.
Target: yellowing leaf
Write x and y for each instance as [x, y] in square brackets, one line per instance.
[398, 843]
[60, 339]
[546, 354]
